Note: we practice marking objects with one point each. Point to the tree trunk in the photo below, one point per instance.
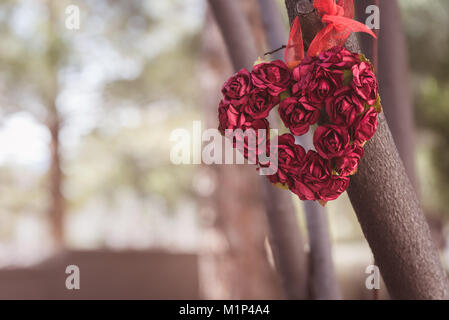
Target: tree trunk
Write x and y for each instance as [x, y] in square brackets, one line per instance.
[56, 206]
[286, 241]
[386, 203]
[394, 87]
[237, 268]
[287, 244]
[323, 282]
[56, 198]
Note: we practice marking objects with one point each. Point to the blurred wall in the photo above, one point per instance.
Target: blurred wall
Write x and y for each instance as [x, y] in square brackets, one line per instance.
[107, 275]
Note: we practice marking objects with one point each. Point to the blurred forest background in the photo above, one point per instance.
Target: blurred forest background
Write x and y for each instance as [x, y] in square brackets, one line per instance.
[86, 117]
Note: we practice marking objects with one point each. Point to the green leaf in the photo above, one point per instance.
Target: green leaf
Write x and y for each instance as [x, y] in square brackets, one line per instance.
[282, 186]
[347, 77]
[285, 94]
[378, 106]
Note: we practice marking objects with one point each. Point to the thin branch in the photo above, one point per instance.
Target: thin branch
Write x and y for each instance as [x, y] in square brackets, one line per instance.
[275, 50]
[322, 277]
[285, 236]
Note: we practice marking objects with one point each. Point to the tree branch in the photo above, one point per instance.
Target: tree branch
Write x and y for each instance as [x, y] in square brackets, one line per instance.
[322, 277]
[272, 52]
[287, 243]
[240, 268]
[387, 206]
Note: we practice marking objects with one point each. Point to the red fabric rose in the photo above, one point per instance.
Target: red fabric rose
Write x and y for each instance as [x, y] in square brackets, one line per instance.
[303, 73]
[302, 190]
[251, 139]
[336, 186]
[365, 126]
[315, 175]
[237, 88]
[364, 82]
[338, 57]
[275, 77]
[315, 82]
[290, 157]
[347, 165]
[260, 103]
[230, 117]
[344, 106]
[331, 141]
[298, 114]
[316, 181]
[335, 87]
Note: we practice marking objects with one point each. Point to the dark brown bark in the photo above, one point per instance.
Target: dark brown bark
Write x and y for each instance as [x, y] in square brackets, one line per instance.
[286, 240]
[387, 207]
[322, 280]
[239, 268]
[394, 86]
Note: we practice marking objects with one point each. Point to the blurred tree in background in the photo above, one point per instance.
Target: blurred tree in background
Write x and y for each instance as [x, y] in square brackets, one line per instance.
[107, 95]
[427, 30]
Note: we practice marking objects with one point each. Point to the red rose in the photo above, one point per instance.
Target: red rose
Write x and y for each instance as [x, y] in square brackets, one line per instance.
[302, 190]
[298, 114]
[338, 57]
[331, 141]
[364, 82]
[315, 82]
[290, 157]
[316, 181]
[275, 77]
[344, 106]
[230, 117]
[303, 73]
[347, 165]
[365, 126]
[260, 103]
[315, 175]
[251, 139]
[237, 88]
[336, 186]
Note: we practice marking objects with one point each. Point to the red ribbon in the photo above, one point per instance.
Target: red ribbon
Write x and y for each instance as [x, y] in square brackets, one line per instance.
[338, 15]
[294, 52]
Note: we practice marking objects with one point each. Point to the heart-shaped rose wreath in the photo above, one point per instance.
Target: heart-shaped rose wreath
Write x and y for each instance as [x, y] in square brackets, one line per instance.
[335, 90]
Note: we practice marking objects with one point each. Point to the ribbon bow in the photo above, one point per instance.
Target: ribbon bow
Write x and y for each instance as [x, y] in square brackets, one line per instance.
[338, 15]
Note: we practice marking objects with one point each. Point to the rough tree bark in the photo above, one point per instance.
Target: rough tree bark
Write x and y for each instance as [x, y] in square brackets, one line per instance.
[386, 203]
[392, 71]
[286, 241]
[323, 282]
[236, 263]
